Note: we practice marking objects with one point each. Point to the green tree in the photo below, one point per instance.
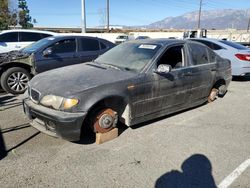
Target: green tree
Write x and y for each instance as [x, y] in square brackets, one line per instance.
[24, 16]
[4, 14]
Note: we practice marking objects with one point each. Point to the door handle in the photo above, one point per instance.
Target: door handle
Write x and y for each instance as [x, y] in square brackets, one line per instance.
[17, 46]
[213, 69]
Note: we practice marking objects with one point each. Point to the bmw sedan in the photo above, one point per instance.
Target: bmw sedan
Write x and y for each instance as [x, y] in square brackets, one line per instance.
[134, 82]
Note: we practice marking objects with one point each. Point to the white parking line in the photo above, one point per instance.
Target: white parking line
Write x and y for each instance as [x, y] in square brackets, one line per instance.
[234, 175]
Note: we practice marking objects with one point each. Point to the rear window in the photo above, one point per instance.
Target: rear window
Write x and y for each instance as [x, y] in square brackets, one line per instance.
[9, 37]
[211, 45]
[234, 45]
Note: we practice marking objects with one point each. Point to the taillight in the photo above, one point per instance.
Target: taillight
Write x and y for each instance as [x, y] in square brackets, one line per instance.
[244, 57]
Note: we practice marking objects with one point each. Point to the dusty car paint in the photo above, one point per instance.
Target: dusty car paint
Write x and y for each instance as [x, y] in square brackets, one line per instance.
[136, 96]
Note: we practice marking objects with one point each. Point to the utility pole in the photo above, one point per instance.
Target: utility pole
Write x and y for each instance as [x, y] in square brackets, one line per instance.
[248, 26]
[199, 17]
[83, 18]
[107, 15]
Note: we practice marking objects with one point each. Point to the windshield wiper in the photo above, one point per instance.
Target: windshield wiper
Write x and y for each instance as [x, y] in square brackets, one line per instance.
[111, 66]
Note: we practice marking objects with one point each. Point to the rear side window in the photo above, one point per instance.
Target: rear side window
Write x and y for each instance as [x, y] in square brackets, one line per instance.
[29, 36]
[9, 37]
[45, 35]
[103, 46]
[198, 54]
[89, 45]
[211, 45]
[64, 46]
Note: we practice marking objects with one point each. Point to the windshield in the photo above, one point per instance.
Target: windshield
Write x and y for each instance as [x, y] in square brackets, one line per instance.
[129, 56]
[234, 45]
[37, 45]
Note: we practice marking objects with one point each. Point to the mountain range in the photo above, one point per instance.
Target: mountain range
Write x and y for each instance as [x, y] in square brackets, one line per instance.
[210, 19]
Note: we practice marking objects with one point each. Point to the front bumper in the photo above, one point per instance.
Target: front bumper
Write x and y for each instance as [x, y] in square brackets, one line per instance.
[53, 122]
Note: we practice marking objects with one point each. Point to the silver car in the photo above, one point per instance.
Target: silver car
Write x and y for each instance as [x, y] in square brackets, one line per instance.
[238, 54]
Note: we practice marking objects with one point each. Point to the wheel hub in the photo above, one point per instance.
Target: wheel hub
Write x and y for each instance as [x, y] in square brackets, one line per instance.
[105, 120]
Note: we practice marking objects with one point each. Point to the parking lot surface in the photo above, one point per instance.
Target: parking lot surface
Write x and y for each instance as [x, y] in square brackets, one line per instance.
[199, 147]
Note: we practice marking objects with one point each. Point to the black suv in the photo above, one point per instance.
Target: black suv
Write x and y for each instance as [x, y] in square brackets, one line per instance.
[18, 67]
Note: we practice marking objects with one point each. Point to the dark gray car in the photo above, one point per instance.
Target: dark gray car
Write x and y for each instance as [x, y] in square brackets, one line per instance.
[18, 67]
[132, 83]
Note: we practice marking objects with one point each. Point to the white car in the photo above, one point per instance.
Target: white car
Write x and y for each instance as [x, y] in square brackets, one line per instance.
[19, 38]
[238, 54]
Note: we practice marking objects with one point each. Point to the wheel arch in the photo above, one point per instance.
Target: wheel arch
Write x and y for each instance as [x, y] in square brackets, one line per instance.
[16, 64]
[116, 102]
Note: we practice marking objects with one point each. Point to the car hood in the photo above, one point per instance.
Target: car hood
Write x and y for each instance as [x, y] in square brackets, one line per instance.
[68, 81]
[12, 55]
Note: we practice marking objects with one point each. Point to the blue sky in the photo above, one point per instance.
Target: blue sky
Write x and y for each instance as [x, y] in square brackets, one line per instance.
[122, 12]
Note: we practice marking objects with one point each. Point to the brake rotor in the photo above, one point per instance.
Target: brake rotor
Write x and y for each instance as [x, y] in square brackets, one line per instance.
[105, 120]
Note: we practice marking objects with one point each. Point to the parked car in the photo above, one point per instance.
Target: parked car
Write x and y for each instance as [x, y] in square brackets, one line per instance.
[19, 38]
[122, 38]
[134, 82]
[238, 54]
[18, 67]
[142, 37]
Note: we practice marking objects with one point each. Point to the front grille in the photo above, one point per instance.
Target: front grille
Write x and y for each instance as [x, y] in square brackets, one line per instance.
[35, 95]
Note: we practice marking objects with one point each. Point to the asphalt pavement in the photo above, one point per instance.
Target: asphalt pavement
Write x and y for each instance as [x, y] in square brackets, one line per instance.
[207, 146]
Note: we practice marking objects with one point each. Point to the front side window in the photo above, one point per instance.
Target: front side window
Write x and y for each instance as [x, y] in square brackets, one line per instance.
[9, 37]
[198, 54]
[89, 45]
[174, 56]
[64, 46]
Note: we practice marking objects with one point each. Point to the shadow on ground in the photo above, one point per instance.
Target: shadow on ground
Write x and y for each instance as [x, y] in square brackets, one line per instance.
[164, 117]
[241, 78]
[196, 172]
[6, 99]
[3, 152]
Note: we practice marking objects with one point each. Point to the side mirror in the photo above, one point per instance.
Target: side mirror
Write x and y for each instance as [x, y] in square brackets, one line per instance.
[47, 52]
[163, 68]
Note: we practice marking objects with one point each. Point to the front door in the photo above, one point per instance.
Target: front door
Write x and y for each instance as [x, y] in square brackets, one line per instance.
[168, 91]
[63, 53]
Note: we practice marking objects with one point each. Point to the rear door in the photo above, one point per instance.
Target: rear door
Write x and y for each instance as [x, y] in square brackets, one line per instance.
[89, 49]
[63, 54]
[202, 70]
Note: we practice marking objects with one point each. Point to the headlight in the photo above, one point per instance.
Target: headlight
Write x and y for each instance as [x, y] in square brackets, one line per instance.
[57, 102]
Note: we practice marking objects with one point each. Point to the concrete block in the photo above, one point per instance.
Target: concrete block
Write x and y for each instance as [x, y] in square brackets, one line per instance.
[105, 137]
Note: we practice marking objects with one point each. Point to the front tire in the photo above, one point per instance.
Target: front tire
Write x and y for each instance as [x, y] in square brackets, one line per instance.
[15, 80]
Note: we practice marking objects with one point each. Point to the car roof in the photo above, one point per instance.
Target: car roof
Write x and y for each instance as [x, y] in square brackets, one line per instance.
[160, 41]
[29, 30]
[61, 35]
[206, 39]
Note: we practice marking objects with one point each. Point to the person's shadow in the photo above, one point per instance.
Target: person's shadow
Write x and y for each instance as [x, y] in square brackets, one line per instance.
[196, 173]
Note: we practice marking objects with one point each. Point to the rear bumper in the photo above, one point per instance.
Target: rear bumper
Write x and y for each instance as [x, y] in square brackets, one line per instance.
[53, 122]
